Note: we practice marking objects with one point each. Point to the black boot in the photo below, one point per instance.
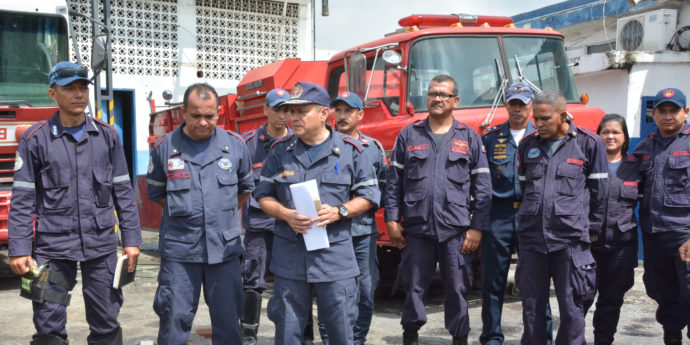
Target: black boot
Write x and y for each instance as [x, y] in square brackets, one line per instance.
[112, 338]
[460, 340]
[48, 340]
[251, 314]
[673, 337]
[410, 338]
[308, 335]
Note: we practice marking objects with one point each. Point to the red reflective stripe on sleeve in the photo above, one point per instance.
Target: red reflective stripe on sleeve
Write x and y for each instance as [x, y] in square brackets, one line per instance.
[681, 153]
[630, 183]
[257, 165]
[574, 161]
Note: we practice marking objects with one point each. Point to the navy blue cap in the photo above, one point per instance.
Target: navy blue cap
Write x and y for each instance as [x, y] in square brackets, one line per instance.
[65, 73]
[520, 91]
[672, 95]
[350, 99]
[276, 97]
[308, 93]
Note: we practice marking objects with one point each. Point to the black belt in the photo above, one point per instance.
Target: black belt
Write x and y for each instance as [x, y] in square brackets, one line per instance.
[506, 203]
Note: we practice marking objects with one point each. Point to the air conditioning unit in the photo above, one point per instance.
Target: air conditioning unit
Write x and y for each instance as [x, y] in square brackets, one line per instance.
[649, 31]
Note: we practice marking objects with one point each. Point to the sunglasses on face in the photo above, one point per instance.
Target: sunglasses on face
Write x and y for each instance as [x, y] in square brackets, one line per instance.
[71, 71]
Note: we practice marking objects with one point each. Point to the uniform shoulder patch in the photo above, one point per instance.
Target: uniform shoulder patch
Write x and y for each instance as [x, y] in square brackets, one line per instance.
[587, 132]
[100, 122]
[235, 135]
[37, 127]
[491, 130]
[353, 142]
[528, 135]
[418, 123]
[248, 135]
[281, 140]
[161, 140]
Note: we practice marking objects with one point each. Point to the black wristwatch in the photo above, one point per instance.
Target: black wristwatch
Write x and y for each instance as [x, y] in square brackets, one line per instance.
[342, 212]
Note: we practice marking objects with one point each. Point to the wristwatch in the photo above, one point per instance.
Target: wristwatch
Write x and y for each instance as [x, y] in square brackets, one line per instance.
[342, 211]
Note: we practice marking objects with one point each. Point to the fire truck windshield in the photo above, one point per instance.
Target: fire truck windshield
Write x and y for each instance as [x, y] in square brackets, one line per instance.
[30, 44]
[470, 61]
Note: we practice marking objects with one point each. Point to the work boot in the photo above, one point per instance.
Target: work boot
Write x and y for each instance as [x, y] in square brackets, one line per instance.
[410, 338]
[48, 340]
[251, 314]
[460, 340]
[673, 337]
[112, 338]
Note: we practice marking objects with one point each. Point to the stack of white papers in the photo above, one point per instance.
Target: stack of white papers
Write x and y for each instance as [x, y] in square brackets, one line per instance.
[307, 201]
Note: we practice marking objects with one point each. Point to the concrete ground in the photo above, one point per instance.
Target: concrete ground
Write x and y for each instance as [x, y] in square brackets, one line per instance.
[140, 323]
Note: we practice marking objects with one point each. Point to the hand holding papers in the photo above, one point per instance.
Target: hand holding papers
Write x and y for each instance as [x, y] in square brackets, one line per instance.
[307, 202]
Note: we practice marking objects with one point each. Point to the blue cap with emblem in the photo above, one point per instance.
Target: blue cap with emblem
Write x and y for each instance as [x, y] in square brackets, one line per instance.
[308, 93]
[350, 99]
[672, 95]
[65, 73]
[276, 97]
[520, 91]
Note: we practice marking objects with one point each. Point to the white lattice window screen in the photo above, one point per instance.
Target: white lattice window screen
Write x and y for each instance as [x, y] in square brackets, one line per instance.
[144, 34]
[235, 36]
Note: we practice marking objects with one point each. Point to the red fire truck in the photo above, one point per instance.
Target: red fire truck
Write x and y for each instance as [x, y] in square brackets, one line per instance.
[483, 53]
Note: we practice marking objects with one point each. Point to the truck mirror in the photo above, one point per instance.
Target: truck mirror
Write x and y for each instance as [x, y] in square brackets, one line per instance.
[98, 54]
[356, 74]
[167, 95]
[391, 58]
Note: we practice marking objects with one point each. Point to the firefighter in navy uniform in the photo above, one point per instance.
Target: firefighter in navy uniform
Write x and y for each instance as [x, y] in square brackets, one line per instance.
[200, 174]
[347, 112]
[664, 167]
[563, 175]
[258, 226]
[71, 173]
[438, 196]
[498, 244]
[348, 188]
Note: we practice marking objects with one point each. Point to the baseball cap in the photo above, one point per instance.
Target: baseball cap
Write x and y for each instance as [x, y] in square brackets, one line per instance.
[308, 93]
[65, 73]
[276, 97]
[672, 95]
[520, 91]
[350, 99]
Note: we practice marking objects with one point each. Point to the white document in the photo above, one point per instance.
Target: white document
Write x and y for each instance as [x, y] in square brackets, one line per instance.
[306, 198]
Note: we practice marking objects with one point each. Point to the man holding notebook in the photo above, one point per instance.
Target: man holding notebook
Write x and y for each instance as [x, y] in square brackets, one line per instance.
[347, 187]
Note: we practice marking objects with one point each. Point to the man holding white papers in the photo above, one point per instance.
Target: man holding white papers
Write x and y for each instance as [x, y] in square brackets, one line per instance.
[347, 188]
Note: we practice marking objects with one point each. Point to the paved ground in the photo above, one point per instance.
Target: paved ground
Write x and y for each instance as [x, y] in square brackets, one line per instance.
[140, 323]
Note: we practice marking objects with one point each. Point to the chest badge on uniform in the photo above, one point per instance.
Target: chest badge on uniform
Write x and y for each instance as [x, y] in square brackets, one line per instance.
[150, 169]
[501, 140]
[287, 173]
[18, 162]
[224, 164]
[533, 152]
[460, 146]
[175, 164]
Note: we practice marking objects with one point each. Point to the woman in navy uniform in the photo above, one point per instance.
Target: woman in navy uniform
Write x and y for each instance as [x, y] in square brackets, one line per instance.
[615, 248]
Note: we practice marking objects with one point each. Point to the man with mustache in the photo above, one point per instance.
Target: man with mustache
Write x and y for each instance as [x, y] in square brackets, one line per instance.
[348, 111]
[71, 174]
[258, 226]
[347, 188]
[437, 202]
[563, 173]
[663, 159]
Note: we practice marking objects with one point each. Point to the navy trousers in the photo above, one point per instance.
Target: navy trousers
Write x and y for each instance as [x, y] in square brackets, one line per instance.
[417, 267]
[574, 276]
[257, 257]
[177, 300]
[368, 279]
[667, 279]
[101, 301]
[291, 304]
[498, 245]
[615, 276]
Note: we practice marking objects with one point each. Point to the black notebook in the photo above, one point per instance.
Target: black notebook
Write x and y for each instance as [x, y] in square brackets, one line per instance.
[122, 275]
